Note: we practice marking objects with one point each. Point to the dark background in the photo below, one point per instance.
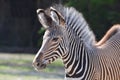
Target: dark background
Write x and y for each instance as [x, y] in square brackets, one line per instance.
[20, 30]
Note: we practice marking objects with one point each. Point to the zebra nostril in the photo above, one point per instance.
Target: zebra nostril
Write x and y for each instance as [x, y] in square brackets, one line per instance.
[37, 64]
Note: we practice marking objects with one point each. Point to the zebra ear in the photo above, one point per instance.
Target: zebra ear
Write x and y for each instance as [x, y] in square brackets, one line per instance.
[43, 18]
[57, 17]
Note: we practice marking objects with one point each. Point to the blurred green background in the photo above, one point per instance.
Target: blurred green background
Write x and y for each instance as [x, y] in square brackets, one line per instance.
[19, 67]
[21, 34]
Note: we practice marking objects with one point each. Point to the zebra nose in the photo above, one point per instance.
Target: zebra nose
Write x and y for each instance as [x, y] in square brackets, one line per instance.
[37, 63]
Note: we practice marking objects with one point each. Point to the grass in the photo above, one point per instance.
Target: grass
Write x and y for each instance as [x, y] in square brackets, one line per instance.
[19, 67]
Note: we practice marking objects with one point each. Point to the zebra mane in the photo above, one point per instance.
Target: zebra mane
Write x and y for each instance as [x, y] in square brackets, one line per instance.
[75, 20]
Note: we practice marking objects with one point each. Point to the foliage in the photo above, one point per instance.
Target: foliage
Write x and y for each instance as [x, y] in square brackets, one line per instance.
[40, 32]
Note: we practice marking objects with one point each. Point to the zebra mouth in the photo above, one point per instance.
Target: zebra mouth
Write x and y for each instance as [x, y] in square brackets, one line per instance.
[41, 66]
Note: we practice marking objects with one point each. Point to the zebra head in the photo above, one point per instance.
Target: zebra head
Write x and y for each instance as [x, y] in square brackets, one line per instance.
[54, 43]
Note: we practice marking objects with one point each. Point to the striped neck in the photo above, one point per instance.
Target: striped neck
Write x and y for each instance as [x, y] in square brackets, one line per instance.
[76, 62]
[80, 27]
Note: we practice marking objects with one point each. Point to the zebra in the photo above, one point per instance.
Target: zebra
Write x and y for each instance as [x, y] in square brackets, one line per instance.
[69, 37]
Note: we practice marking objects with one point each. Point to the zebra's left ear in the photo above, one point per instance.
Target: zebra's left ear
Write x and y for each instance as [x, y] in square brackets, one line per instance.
[57, 17]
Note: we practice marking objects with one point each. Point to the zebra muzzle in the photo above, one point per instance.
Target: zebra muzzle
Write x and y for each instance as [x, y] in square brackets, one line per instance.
[39, 63]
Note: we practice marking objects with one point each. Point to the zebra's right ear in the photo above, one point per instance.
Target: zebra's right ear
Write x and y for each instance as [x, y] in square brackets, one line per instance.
[57, 17]
[44, 19]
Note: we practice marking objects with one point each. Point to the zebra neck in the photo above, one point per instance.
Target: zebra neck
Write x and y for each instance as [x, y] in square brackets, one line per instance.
[77, 25]
[76, 61]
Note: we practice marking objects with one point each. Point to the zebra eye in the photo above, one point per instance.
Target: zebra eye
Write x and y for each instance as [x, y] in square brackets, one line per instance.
[55, 39]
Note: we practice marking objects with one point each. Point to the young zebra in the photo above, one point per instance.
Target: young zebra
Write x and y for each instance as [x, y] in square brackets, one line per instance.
[69, 37]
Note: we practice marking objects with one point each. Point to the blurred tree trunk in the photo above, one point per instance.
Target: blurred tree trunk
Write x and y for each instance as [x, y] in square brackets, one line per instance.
[4, 20]
[19, 24]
